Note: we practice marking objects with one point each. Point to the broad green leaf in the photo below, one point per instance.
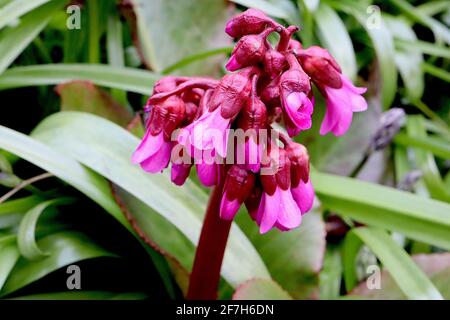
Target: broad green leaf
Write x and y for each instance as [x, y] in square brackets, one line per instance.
[83, 136]
[334, 36]
[383, 43]
[408, 60]
[11, 212]
[436, 266]
[408, 276]
[65, 248]
[260, 289]
[26, 241]
[312, 5]
[331, 274]
[160, 234]
[85, 295]
[417, 217]
[431, 8]
[14, 39]
[65, 168]
[14, 9]
[129, 79]
[293, 258]
[84, 96]
[9, 255]
[195, 26]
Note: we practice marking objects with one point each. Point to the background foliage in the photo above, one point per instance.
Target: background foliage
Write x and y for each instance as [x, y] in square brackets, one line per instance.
[70, 102]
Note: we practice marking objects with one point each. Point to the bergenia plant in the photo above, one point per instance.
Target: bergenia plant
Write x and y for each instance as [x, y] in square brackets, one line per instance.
[226, 130]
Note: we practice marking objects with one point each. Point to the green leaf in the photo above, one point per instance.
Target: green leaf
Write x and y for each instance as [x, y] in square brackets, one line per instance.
[65, 168]
[408, 60]
[417, 217]
[129, 79]
[438, 147]
[293, 258]
[441, 32]
[84, 96]
[65, 248]
[425, 47]
[26, 241]
[435, 266]
[14, 9]
[190, 31]
[14, 39]
[260, 289]
[425, 161]
[83, 136]
[334, 36]
[436, 72]
[9, 255]
[331, 274]
[408, 276]
[383, 43]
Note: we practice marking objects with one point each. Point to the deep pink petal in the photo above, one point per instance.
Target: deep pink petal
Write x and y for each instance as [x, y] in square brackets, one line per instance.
[179, 173]
[228, 209]
[271, 209]
[207, 174]
[232, 64]
[299, 110]
[304, 195]
[160, 160]
[289, 214]
[148, 147]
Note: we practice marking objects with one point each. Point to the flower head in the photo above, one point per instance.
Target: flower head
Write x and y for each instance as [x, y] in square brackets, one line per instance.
[190, 120]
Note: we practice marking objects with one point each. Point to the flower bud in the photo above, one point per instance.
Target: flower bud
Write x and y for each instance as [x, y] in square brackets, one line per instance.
[295, 45]
[232, 93]
[166, 116]
[251, 21]
[279, 167]
[321, 67]
[298, 155]
[238, 186]
[274, 62]
[248, 51]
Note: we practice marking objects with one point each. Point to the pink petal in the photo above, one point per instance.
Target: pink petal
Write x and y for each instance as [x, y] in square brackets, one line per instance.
[299, 109]
[179, 173]
[228, 209]
[160, 160]
[289, 214]
[253, 154]
[271, 209]
[148, 147]
[232, 64]
[303, 195]
[207, 174]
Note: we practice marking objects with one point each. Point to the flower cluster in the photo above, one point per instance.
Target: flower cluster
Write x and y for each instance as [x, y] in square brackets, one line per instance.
[224, 127]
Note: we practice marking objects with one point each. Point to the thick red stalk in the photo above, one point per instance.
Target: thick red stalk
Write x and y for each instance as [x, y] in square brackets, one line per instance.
[205, 276]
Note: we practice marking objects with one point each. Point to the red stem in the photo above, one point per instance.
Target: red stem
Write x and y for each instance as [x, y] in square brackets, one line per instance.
[205, 276]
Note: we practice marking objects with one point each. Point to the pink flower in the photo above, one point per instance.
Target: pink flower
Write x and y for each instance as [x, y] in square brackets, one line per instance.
[238, 186]
[180, 173]
[304, 195]
[298, 108]
[342, 97]
[153, 153]
[341, 103]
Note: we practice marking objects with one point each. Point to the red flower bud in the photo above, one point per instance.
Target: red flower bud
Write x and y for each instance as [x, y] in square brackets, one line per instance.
[279, 167]
[295, 45]
[166, 116]
[248, 51]
[239, 184]
[251, 21]
[274, 62]
[232, 93]
[270, 93]
[298, 155]
[321, 67]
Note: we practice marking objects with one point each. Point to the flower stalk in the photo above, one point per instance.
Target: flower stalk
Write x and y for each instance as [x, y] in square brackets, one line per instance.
[205, 276]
